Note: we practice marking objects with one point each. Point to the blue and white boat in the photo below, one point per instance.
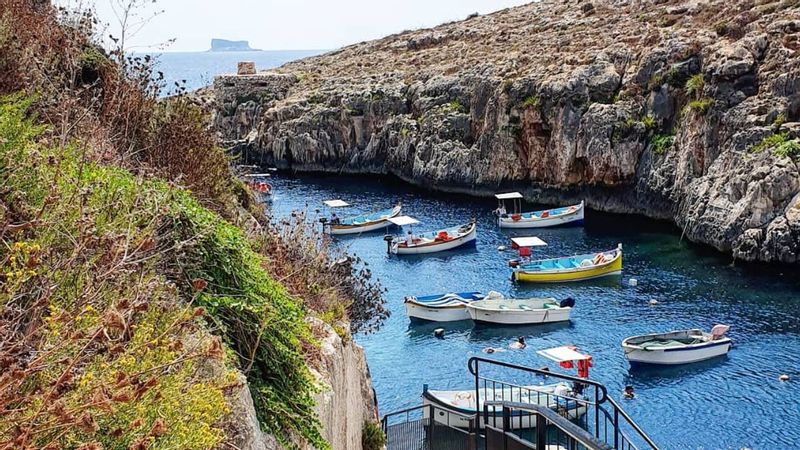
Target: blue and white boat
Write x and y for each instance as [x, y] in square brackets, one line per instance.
[677, 347]
[364, 223]
[572, 215]
[449, 307]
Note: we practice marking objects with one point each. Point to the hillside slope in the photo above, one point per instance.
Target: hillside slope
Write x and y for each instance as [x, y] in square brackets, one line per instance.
[678, 110]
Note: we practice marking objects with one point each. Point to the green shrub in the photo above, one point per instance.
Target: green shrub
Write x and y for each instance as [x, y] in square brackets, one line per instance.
[780, 119]
[372, 436]
[780, 144]
[788, 149]
[699, 106]
[454, 106]
[661, 143]
[530, 101]
[694, 86]
[649, 122]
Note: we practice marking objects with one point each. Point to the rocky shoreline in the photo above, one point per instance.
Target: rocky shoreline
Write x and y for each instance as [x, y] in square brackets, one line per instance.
[686, 112]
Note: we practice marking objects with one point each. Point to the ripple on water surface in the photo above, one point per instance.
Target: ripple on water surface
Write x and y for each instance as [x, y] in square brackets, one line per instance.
[732, 402]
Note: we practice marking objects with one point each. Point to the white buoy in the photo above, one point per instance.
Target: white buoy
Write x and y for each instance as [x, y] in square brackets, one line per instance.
[633, 282]
[502, 248]
[653, 302]
[439, 333]
[784, 377]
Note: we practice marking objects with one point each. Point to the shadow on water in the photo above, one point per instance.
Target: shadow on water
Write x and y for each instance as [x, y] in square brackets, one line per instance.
[647, 375]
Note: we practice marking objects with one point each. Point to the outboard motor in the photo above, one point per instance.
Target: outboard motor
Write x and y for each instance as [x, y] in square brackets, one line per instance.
[389, 239]
[568, 302]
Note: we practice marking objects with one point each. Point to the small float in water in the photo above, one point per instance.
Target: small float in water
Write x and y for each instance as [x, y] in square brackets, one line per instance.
[449, 307]
[430, 242]
[357, 224]
[677, 347]
[497, 309]
[568, 215]
[571, 268]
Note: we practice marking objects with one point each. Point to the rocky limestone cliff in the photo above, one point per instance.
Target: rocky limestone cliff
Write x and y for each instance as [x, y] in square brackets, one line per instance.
[652, 107]
[345, 401]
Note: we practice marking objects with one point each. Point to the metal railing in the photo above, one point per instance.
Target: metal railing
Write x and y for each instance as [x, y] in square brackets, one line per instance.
[589, 405]
[428, 427]
[548, 430]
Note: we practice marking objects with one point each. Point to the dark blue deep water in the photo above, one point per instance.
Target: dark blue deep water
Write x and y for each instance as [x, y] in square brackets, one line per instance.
[733, 403]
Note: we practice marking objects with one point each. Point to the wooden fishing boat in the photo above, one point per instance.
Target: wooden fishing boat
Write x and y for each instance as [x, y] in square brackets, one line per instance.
[435, 242]
[496, 309]
[364, 223]
[547, 218]
[677, 347]
[455, 407]
[450, 307]
[571, 268]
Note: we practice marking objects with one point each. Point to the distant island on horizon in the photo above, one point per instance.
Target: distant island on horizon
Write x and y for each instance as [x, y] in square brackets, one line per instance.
[224, 45]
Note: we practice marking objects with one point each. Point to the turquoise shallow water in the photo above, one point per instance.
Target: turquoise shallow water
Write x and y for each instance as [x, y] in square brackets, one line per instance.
[734, 402]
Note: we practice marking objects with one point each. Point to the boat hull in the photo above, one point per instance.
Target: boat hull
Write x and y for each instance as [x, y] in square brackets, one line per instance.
[442, 314]
[569, 275]
[519, 317]
[460, 417]
[575, 218]
[437, 246]
[676, 356]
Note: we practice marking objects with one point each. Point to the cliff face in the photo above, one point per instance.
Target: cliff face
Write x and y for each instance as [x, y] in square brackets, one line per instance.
[678, 110]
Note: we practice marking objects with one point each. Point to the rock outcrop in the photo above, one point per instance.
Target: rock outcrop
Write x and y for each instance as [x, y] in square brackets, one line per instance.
[344, 403]
[685, 110]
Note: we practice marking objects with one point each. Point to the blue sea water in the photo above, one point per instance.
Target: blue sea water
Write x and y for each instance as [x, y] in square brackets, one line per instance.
[198, 69]
[730, 403]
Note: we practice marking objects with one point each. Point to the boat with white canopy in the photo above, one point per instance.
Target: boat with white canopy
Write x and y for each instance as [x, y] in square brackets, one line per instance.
[677, 347]
[357, 224]
[554, 217]
[430, 242]
[567, 399]
[449, 307]
[497, 309]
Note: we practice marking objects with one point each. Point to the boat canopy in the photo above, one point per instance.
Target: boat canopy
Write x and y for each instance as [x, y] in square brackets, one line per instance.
[401, 221]
[563, 354]
[530, 241]
[508, 196]
[335, 203]
[258, 175]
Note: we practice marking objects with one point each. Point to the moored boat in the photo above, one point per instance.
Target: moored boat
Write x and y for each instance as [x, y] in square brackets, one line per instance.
[571, 268]
[677, 347]
[449, 307]
[542, 219]
[434, 242]
[364, 223]
[455, 407]
[496, 309]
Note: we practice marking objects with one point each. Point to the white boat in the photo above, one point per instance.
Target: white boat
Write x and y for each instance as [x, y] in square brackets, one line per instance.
[496, 309]
[542, 219]
[364, 223]
[677, 347]
[450, 307]
[434, 242]
[454, 408]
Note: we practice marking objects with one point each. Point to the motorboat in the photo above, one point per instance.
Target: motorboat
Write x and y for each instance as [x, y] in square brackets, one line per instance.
[571, 268]
[449, 307]
[433, 242]
[677, 347]
[497, 309]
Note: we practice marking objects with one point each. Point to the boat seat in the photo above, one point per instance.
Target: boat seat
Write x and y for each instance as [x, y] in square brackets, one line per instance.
[671, 343]
[559, 265]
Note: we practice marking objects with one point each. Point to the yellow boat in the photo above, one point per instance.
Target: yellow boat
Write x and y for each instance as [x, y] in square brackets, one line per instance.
[571, 268]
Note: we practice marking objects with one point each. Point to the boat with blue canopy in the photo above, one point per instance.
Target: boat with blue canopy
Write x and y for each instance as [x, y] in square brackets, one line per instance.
[571, 268]
[572, 215]
[450, 307]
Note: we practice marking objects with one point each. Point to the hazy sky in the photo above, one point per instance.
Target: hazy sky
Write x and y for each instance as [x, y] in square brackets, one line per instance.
[289, 24]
